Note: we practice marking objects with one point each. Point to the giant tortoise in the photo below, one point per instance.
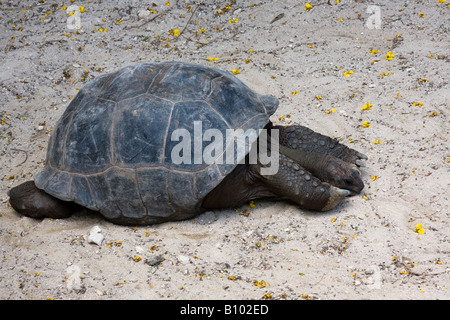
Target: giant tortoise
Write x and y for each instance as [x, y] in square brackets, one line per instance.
[126, 147]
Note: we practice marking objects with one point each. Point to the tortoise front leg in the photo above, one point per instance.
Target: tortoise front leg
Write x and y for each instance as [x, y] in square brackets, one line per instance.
[327, 168]
[302, 138]
[299, 185]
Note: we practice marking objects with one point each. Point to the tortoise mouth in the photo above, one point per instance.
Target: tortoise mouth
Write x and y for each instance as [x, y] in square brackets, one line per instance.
[358, 184]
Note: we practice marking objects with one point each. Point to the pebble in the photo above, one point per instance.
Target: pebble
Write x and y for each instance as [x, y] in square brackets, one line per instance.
[95, 236]
[183, 259]
[73, 281]
[154, 260]
[139, 250]
[143, 13]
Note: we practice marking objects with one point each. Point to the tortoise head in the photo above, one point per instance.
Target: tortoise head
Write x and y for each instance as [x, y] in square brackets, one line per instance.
[344, 176]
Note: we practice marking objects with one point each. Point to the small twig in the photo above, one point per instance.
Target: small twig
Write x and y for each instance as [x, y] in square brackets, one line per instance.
[148, 21]
[278, 17]
[192, 15]
[26, 155]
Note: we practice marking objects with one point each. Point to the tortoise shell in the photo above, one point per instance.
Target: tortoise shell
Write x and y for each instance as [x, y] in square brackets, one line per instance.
[111, 149]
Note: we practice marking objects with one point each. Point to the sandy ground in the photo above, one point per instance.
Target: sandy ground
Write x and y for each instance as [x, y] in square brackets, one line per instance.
[324, 64]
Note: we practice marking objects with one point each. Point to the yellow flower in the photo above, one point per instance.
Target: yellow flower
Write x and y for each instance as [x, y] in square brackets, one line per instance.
[235, 20]
[374, 51]
[417, 104]
[374, 178]
[252, 204]
[119, 21]
[441, 1]
[235, 71]
[294, 92]
[176, 32]
[168, 3]
[421, 15]
[377, 142]
[260, 284]
[212, 59]
[348, 73]
[308, 6]
[419, 229]
[82, 9]
[367, 106]
[319, 98]
[389, 56]
[365, 124]
[64, 8]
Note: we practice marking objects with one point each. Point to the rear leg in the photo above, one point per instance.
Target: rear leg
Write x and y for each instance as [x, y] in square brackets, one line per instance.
[302, 138]
[32, 202]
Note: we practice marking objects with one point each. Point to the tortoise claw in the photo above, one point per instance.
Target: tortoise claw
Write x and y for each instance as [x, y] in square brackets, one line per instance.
[336, 196]
[343, 192]
[356, 171]
[362, 156]
[360, 163]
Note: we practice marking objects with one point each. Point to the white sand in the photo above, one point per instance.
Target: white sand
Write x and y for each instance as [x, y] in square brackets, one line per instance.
[365, 248]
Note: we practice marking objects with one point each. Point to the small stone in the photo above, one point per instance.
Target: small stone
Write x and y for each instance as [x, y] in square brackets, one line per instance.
[370, 270]
[183, 259]
[143, 13]
[154, 260]
[139, 250]
[95, 236]
[73, 280]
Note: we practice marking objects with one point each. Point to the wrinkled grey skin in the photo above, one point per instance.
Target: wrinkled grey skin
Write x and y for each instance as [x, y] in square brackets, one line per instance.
[110, 151]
